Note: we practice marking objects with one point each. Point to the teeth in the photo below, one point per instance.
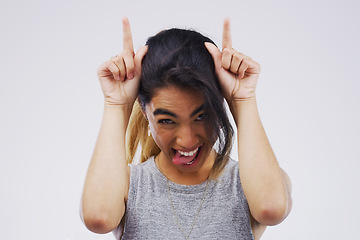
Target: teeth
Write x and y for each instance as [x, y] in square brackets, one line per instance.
[189, 163]
[188, 154]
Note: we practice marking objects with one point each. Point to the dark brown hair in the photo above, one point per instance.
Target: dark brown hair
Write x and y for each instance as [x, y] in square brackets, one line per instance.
[178, 57]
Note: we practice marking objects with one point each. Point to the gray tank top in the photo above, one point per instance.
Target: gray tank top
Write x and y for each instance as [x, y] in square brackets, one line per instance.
[149, 215]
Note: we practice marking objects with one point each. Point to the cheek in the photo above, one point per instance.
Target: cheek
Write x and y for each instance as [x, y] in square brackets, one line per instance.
[203, 131]
[208, 131]
[162, 138]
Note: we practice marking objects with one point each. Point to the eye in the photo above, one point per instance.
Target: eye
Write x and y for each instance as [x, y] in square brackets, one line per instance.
[166, 121]
[201, 117]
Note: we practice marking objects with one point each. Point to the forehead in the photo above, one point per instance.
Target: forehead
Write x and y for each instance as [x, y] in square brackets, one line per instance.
[177, 100]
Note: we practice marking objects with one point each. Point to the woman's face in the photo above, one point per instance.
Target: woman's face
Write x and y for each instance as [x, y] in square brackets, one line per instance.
[177, 121]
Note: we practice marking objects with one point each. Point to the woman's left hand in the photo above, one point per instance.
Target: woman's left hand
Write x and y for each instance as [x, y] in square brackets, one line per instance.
[238, 74]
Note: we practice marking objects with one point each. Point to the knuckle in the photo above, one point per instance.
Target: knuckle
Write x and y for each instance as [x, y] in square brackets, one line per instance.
[245, 61]
[227, 51]
[122, 70]
[128, 52]
[107, 63]
[129, 61]
[237, 57]
[110, 65]
[234, 69]
[225, 64]
[116, 60]
[120, 56]
[115, 71]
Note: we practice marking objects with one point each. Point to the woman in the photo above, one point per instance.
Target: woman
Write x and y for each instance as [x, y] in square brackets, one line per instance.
[186, 186]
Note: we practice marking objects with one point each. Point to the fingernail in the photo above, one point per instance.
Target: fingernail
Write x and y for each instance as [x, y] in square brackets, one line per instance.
[131, 76]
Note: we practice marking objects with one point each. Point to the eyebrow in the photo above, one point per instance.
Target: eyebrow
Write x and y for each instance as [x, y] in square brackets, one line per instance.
[161, 111]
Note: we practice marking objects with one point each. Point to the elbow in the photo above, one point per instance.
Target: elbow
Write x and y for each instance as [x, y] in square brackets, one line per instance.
[272, 213]
[98, 222]
[273, 209]
[271, 216]
[100, 219]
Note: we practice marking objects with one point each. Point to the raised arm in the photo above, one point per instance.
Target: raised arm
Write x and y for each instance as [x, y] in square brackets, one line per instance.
[107, 180]
[266, 187]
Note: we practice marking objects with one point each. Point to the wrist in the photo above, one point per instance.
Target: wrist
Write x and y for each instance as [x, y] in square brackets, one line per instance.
[122, 109]
[241, 106]
[118, 102]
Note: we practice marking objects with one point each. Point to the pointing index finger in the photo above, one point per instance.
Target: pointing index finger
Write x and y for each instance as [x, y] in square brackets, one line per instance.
[127, 37]
[226, 38]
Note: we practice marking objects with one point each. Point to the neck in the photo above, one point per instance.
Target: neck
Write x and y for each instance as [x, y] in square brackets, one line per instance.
[175, 175]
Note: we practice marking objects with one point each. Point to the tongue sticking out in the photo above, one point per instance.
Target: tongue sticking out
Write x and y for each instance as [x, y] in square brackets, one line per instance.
[181, 159]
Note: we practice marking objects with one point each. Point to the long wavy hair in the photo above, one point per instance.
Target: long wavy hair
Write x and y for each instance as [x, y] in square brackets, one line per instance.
[179, 58]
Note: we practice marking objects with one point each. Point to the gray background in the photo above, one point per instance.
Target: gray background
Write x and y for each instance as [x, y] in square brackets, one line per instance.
[51, 102]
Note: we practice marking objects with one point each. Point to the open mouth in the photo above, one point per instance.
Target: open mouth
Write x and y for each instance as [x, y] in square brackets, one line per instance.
[186, 158]
[192, 161]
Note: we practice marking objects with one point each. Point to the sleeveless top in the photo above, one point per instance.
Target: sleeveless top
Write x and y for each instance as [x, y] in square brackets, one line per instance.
[149, 214]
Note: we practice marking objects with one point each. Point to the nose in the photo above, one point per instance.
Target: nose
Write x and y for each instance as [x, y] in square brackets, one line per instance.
[187, 137]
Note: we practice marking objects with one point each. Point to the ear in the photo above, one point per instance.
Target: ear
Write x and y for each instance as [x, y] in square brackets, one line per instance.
[143, 110]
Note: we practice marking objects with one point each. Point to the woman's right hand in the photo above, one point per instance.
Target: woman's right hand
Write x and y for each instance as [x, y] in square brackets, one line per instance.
[120, 76]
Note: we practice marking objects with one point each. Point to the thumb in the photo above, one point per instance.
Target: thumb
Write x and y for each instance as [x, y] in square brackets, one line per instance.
[216, 55]
[138, 59]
